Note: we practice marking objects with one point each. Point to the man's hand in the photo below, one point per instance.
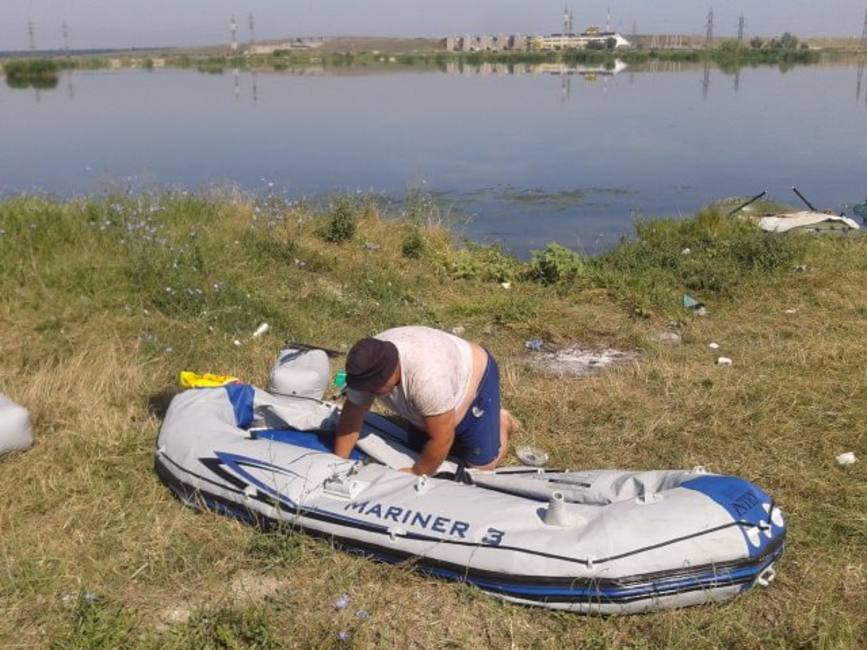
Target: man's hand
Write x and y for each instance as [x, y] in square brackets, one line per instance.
[441, 432]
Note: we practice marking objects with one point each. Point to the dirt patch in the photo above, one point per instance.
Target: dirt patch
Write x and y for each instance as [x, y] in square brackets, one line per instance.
[578, 361]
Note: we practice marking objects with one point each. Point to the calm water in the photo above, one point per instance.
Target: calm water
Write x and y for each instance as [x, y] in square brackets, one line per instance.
[520, 159]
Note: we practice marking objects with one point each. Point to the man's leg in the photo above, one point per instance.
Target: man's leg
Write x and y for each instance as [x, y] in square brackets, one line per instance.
[507, 426]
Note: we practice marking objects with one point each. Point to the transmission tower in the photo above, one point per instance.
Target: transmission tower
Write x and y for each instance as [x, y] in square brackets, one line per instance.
[233, 25]
[252, 24]
[65, 30]
[741, 24]
[31, 33]
[864, 33]
[708, 42]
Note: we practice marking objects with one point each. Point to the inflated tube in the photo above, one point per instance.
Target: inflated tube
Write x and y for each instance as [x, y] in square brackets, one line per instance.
[15, 431]
[300, 373]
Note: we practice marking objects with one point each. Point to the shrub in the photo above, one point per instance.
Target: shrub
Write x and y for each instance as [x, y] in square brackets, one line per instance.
[556, 264]
[478, 262]
[708, 254]
[413, 245]
[340, 226]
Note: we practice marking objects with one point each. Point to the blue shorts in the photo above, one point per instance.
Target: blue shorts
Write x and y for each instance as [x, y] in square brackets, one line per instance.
[477, 436]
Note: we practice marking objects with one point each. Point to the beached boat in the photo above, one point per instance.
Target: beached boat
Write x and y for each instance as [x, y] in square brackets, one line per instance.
[587, 541]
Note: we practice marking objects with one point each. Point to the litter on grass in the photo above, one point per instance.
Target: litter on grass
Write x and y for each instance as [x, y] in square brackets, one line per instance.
[844, 460]
[667, 336]
[694, 305]
[578, 361]
[532, 456]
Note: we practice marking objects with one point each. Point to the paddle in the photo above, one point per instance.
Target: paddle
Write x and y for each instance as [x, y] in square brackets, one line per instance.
[748, 203]
[801, 196]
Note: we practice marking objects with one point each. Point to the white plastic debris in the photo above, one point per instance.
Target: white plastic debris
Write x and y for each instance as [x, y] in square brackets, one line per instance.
[532, 456]
[686, 251]
[844, 460]
[236, 343]
[667, 336]
[261, 330]
[724, 361]
[790, 311]
[713, 346]
[506, 285]
[342, 602]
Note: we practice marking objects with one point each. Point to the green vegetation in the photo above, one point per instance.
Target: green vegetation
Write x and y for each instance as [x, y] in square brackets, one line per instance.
[103, 301]
[33, 73]
[340, 225]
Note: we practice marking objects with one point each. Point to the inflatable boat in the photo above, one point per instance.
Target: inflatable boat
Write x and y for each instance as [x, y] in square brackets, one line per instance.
[16, 433]
[609, 542]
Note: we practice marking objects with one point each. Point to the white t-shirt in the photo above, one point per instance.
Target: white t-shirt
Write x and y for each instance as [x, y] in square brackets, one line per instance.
[435, 371]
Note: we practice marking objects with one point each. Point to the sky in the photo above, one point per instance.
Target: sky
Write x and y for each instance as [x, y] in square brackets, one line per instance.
[142, 23]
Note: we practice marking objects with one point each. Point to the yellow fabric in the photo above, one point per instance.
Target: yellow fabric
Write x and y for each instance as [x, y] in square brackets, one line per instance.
[204, 380]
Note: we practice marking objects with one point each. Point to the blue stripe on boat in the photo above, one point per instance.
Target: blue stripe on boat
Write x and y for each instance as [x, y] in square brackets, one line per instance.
[241, 398]
[315, 440]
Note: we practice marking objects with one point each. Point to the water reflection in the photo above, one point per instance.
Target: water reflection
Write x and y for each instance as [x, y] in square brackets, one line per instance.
[528, 155]
[38, 83]
[860, 83]
[705, 82]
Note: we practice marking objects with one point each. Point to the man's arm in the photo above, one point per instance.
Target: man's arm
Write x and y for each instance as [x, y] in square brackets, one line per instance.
[441, 432]
[349, 428]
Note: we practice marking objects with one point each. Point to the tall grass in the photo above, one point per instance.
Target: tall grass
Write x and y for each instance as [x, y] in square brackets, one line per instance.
[102, 302]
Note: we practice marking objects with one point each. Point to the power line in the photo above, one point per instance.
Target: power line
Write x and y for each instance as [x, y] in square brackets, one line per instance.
[31, 33]
[708, 43]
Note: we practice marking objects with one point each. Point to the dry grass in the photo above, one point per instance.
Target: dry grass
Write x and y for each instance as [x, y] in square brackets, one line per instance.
[95, 552]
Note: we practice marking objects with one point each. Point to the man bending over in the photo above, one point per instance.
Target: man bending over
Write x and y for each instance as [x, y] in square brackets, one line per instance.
[445, 386]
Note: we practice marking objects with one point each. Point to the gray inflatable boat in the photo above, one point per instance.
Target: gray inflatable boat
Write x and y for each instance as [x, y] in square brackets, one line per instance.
[605, 541]
[16, 433]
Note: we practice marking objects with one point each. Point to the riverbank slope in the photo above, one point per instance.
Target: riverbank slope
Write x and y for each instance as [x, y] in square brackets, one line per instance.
[103, 302]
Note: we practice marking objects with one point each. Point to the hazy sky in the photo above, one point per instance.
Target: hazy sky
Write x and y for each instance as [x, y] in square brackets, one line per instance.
[122, 23]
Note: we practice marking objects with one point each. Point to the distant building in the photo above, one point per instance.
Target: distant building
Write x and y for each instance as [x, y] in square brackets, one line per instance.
[486, 43]
[517, 42]
[590, 37]
[267, 49]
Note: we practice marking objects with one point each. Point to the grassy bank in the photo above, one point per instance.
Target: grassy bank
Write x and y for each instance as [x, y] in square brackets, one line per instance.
[103, 302]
